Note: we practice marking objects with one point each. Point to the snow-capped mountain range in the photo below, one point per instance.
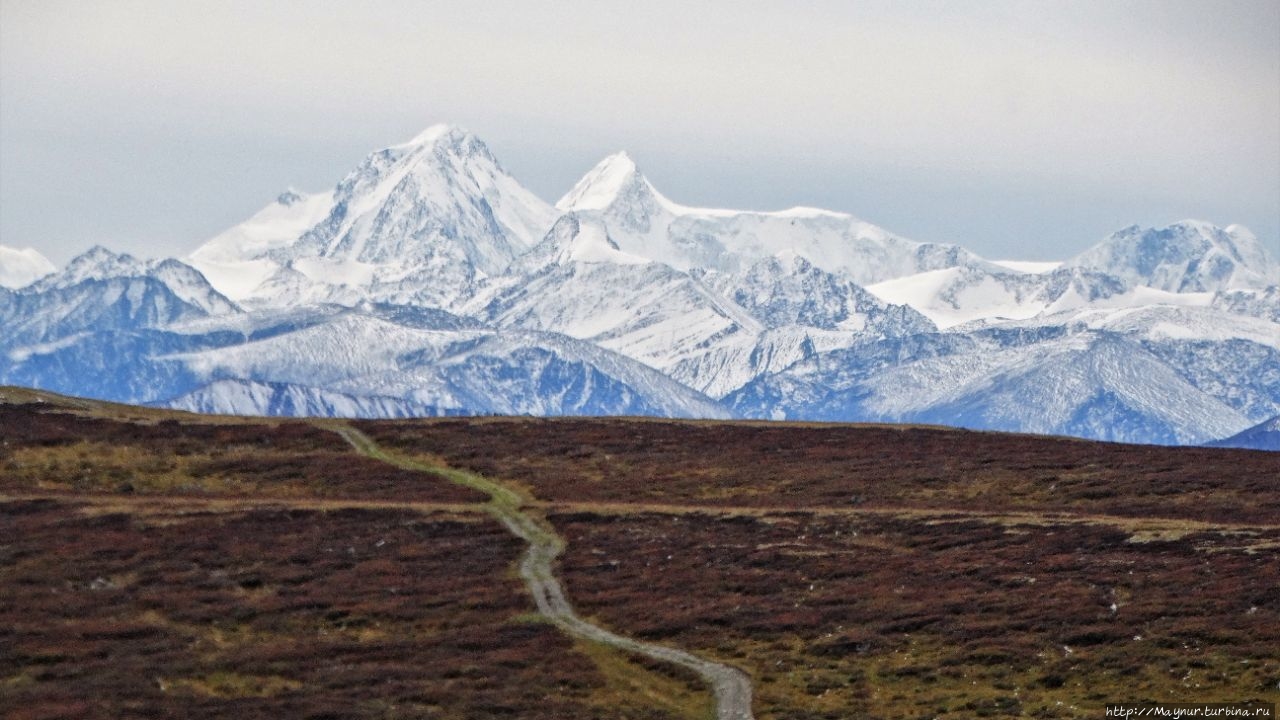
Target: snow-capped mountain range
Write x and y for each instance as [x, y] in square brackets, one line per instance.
[429, 281]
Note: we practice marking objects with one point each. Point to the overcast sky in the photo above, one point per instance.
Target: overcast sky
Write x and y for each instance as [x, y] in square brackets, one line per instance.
[1018, 129]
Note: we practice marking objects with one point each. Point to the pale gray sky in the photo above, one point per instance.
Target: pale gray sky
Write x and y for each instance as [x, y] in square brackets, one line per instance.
[1019, 129]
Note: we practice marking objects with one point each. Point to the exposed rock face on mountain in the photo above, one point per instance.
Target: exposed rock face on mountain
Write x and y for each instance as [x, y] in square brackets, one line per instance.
[429, 282]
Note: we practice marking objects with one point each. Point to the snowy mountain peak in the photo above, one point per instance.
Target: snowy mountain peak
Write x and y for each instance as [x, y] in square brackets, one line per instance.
[614, 183]
[421, 222]
[444, 140]
[21, 267]
[96, 263]
[433, 133]
[442, 194]
[620, 164]
[1187, 256]
[99, 255]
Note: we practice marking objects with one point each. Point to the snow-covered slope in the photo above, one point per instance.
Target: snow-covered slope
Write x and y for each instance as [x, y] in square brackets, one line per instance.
[1170, 322]
[957, 295]
[239, 259]
[711, 331]
[1256, 303]
[370, 361]
[577, 282]
[1033, 267]
[1233, 358]
[21, 267]
[1101, 387]
[803, 309]
[246, 397]
[644, 222]
[368, 355]
[1189, 256]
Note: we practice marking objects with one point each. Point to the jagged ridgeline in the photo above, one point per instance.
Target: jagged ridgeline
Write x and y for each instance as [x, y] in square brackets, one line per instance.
[428, 281]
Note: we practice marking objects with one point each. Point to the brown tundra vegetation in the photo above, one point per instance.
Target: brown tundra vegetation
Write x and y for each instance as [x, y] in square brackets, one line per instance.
[166, 565]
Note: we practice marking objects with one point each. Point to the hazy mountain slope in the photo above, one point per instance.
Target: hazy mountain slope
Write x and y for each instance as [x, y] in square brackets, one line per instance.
[1257, 303]
[579, 283]
[1189, 256]
[238, 260]
[710, 331]
[1090, 383]
[101, 290]
[21, 267]
[1263, 436]
[476, 371]
[354, 361]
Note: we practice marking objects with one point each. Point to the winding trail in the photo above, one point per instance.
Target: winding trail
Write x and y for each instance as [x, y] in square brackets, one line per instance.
[732, 687]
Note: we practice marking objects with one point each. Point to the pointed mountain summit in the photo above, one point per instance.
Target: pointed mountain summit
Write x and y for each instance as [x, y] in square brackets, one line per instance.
[614, 180]
[21, 267]
[616, 192]
[602, 185]
[1188, 256]
[442, 194]
[423, 222]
